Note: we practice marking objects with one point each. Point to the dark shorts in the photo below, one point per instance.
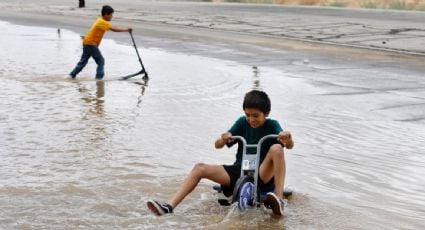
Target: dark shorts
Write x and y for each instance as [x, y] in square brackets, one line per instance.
[234, 172]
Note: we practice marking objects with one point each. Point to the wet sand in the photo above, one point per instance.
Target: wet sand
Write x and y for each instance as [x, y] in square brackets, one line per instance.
[89, 154]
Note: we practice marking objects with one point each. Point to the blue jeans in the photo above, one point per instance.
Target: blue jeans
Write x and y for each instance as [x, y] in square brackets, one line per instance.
[90, 51]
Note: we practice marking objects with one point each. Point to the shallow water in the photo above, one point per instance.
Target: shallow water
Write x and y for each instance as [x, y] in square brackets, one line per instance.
[88, 154]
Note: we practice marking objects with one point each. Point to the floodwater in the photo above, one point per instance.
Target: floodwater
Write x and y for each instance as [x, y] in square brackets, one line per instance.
[88, 154]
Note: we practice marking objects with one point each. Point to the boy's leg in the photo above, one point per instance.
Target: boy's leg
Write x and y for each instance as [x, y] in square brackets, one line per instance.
[83, 61]
[215, 173]
[100, 61]
[273, 165]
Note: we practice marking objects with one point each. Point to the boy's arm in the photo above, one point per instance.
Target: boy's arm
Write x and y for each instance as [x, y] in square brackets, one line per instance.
[285, 138]
[223, 140]
[118, 29]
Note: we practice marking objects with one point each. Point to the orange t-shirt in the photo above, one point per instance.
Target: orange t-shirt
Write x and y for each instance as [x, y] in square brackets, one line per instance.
[96, 32]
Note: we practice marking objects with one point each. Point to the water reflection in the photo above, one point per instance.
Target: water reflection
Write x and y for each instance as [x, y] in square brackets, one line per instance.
[143, 85]
[95, 101]
[256, 78]
[99, 99]
[114, 153]
[95, 120]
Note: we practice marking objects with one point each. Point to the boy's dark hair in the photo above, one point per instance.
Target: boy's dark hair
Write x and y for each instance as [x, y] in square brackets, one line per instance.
[257, 99]
[107, 10]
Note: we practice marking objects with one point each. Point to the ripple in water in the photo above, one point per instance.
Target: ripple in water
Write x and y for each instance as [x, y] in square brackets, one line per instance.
[81, 153]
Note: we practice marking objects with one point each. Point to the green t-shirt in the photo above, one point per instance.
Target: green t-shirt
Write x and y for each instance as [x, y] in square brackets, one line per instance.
[253, 135]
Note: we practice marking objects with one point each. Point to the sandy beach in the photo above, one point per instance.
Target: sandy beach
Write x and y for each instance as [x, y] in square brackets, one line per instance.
[88, 154]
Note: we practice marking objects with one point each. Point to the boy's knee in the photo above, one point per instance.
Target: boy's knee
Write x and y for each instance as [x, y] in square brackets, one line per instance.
[199, 168]
[276, 150]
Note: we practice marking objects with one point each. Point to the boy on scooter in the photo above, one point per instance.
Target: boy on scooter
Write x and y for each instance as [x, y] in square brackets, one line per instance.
[92, 41]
